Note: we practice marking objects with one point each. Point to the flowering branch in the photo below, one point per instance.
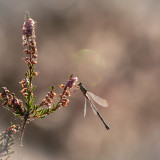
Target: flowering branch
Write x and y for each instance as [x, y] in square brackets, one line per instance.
[28, 110]
[11, 102]
[63, 101]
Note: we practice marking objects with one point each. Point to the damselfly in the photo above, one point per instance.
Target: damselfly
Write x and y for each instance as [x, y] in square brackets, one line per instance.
[98, 100]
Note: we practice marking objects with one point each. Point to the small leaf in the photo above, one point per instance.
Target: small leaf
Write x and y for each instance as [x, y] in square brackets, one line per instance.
[71, 76]
[41, 111]
[53, 109]
[53, 106]
[33, 88]
[52, 88]
[32, 101]
[35, 114]
[27, 15]
[26, 99]
[46, 111]
[17, 114]
[27, 74]
[33, 108]
[41, 116]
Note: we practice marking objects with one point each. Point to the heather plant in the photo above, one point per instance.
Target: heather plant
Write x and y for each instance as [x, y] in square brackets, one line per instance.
[27, 110]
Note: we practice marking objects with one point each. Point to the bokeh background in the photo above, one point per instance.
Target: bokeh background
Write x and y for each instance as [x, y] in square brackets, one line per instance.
[113, 47]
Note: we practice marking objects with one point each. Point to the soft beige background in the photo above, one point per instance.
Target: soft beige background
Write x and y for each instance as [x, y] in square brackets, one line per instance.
[113, 47]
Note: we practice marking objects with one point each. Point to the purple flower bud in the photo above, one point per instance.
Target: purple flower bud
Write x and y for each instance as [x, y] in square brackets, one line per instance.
[71, 82]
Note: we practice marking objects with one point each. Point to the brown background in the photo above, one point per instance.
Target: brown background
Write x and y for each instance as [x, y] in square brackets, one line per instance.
[113, 48]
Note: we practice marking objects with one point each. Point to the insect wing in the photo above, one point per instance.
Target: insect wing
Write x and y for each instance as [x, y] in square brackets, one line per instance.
[98, 100]
[94, 109]
[85, 107]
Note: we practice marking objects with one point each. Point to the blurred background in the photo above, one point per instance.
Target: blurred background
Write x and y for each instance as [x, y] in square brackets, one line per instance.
[113, 48]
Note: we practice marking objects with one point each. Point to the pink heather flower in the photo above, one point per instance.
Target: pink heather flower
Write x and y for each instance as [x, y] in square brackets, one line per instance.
[17, 103]
[71, 82]
[67, 93]
[34, 56]
[34, 62]
[64, 102]
[61, 86]
[51, 95]
[14, 128]
[28, 28]
[24, 82]
[35, 73]
[28, 38]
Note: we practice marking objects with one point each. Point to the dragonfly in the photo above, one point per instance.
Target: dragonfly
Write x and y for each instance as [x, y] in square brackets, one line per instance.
[98, 100]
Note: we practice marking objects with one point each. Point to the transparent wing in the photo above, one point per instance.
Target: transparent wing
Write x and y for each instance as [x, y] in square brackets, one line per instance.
[85, 107]
[98, 100]
[94, 109]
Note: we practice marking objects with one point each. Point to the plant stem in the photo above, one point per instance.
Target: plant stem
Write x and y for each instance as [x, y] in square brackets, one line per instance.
[21, 137]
